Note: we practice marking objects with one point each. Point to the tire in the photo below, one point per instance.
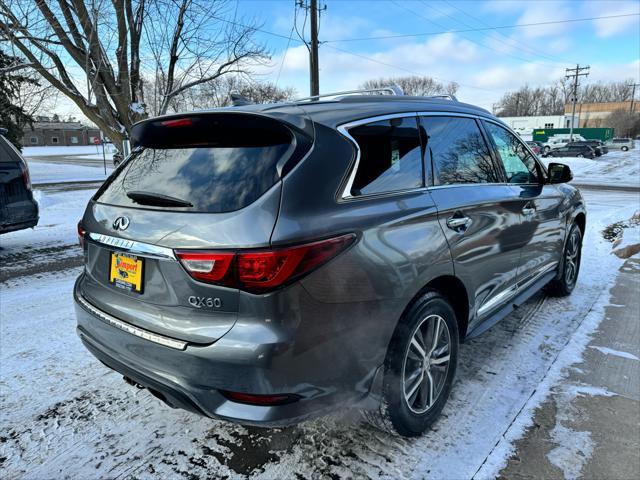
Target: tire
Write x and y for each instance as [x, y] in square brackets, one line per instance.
[116, 163]
[406, 408]
[569, 268]
[580, 155]
[625, 149]
[547, 149]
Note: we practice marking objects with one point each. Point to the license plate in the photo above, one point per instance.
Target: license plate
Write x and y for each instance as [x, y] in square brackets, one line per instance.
[126, 272]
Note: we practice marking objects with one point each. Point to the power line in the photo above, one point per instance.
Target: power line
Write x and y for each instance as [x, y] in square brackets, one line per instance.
[404, 69]
[467, 37]
[480, 29]
[497, 35]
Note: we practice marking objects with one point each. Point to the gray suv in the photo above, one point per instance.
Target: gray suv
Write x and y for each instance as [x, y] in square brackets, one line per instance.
[266, 264]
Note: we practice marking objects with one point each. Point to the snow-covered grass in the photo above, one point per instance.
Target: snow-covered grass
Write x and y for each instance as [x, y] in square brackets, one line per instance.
[64, 150]
[614, 168]
[64, 415]
[44, 172]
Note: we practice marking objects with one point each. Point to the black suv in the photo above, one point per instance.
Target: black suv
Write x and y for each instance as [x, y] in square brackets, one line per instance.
[582, 151]
[268, 263]
[598, 147]
[18, 209]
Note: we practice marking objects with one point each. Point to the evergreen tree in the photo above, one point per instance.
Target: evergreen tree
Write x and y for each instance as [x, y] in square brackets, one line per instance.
[12, 117]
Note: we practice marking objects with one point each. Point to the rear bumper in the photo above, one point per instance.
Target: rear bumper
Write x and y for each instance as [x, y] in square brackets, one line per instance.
[248, 360]
[20, 215]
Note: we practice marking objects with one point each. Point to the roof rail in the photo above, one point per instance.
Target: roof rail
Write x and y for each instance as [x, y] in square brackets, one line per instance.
[391, 89]
[446, 96]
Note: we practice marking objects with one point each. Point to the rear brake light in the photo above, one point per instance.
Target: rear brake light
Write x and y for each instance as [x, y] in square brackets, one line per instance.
[264, 270]
[81, 233]
[180, 122]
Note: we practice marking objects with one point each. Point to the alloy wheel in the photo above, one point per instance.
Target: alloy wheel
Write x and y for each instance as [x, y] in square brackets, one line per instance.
[426, 363]
[572, 258]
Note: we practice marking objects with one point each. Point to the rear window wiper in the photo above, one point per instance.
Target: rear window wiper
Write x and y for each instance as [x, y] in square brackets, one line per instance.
[157, 199]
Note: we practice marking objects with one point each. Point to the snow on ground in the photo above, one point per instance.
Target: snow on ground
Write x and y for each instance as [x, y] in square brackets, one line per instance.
[44, 172]
[614, 168]
[64, 150]
[53, 241]
[64, 415]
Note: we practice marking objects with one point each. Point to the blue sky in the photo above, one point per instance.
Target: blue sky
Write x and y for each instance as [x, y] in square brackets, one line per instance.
[485, 63]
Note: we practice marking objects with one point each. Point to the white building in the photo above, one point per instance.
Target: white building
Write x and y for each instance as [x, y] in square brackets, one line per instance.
[525, 125]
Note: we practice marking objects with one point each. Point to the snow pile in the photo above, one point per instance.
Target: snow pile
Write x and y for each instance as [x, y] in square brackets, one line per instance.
[42, 172]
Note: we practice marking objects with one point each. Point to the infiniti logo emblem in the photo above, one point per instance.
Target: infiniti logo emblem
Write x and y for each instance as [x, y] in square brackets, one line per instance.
[121, 223]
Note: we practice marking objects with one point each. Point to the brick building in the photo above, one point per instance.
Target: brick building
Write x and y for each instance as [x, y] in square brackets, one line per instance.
[595, 114]
[47, 133]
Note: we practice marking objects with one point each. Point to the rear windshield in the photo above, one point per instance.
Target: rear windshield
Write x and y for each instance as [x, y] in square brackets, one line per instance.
[206, 179]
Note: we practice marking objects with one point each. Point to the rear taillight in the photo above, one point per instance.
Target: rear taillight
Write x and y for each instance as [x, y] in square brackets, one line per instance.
[263, 270]
[26, 178]
[81, 233]
[208, 266]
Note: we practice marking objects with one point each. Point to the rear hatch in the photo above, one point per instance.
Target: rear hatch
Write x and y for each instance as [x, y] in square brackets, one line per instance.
[207, 181]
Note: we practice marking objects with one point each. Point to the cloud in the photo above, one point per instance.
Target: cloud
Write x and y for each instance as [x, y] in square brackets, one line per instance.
[608, 27]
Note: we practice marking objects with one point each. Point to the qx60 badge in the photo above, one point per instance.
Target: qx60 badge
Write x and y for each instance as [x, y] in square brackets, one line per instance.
[121, 223]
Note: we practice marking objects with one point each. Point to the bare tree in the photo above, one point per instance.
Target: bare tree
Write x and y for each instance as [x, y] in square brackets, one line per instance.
[94, 51]
[217, 93]
[528, 101]
[624, 122]
[414, 85]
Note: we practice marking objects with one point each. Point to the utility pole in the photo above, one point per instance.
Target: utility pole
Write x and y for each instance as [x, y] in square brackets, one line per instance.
[314, 11]
[576, 73]
[313, 58]
[633, 93]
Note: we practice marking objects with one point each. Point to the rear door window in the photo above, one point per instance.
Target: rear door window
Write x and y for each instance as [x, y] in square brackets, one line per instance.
[458, 151]
[390, 156]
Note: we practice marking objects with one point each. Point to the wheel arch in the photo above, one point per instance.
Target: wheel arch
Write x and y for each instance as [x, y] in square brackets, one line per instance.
[452, 288]
[581, 220]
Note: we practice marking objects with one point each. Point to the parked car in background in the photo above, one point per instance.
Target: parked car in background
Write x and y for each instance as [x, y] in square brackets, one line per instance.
[558, 141]
[598, 146]
[572, 151]
[623, 144]
[18, 208]
[535, 146]
[270, 263]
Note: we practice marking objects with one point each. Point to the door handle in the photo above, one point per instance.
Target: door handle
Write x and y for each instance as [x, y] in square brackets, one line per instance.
[528, 209]
[459, 224]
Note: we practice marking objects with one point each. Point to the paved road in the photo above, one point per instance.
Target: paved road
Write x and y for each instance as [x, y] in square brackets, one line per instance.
[73, 160]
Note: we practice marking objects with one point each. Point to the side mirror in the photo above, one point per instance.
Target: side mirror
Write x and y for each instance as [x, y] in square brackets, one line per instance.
[559, 173]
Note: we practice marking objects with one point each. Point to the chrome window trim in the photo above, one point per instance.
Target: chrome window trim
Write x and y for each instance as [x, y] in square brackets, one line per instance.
[134, 247]
[344, 130]
[127, 327]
